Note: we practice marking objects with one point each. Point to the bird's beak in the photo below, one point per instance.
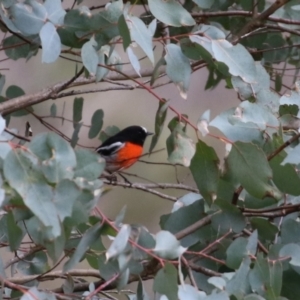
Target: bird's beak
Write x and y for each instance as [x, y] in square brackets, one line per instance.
[149, 133]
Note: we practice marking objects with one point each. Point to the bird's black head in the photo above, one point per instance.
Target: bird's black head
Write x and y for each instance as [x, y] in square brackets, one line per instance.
[134, 134]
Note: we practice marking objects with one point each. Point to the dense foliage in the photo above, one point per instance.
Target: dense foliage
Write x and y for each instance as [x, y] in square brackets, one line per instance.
[237, 235]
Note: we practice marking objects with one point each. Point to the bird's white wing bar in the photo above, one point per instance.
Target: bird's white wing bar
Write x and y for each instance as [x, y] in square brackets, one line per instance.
[110, 149]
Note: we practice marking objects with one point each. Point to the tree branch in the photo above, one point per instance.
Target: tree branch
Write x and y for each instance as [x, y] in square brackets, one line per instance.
[24, 101]
[256, 22]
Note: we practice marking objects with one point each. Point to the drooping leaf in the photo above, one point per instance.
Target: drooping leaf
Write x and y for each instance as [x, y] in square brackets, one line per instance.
[178, 68]
[159, 123]
[50, 43]
[77, 110]
[89, 56]
[238, 285]
[141, 35]
[120, 242]
[124, 32]
[53, 110]
[15, 233]
[75, 135]
[181, 148]
[89, 236]
[133, 60]
[96, 123]
[205, 170]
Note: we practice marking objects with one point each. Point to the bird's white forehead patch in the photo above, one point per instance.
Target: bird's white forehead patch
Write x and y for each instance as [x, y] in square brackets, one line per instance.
[144, 129]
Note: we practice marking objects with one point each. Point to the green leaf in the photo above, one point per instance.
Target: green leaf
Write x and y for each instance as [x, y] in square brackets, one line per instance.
[133, 60]
[181, 148]
[238, 285]
[120, 242]
[124, 32]
[55, 12]
[34, 264]
[160, 118]
[90, 165]
[50, 43]
[266, 229]
[205, 170]
[155, 73]
[237, 131]
[57, 156]
[15, 48]
[167, 246]
[53, 110]
[96, 123]
[237, 58]
[101, 71]
[77, 110]
[14, 91]
[89, 236]
[178, 68]
[284, 176]
[75, 137]
[23, 173]
[266, 277]
[171, 13]
[107, 268]
[230, 218]
[165, 282]
[15, 233]
[89, 56]
[65, 194]
[184, 217]
[141, 35]
[292, 251]
[290, 231]
[263, 119]
[236, 252]
[290, 285]
[29, 18]
[249, 165]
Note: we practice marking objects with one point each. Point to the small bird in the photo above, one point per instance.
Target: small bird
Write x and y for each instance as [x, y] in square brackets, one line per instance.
[124, 148]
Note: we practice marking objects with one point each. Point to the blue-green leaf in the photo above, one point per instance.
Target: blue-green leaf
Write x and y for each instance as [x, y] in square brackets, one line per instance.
[50, 43]
[178, 68]
[171, 13]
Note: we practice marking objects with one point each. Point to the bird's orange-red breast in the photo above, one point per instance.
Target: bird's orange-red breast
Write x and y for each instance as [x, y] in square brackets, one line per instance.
[124, 148]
